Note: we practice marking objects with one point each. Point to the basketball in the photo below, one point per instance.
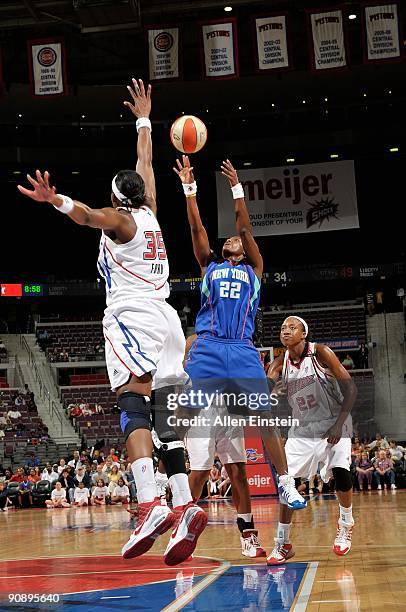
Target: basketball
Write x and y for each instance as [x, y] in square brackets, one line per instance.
[188, 134]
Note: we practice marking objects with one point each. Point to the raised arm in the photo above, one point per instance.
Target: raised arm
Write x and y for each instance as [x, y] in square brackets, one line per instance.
[141, 108]
[201, 246]
[103, 218]
[242, 219]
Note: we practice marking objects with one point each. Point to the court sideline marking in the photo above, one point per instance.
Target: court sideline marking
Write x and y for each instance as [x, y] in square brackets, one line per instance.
[183, 600]
[305, 588]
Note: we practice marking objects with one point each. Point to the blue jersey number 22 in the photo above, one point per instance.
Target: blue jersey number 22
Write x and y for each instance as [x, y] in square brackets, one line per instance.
[230, 290]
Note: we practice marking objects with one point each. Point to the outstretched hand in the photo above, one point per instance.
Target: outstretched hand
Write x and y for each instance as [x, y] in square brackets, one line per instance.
[184, 171]
[141, 106]
[43, 191]
[228, 170]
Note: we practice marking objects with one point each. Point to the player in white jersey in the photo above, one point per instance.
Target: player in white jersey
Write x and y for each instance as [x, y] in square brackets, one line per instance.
[144, 339]
[321, 394]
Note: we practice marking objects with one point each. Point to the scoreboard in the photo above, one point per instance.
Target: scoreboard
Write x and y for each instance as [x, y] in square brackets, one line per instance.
[21, 289]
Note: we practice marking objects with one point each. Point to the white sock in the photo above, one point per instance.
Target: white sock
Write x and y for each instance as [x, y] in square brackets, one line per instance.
[283, 532]
[179, 484]
[346, 515]
[247, 518]
[143, 470]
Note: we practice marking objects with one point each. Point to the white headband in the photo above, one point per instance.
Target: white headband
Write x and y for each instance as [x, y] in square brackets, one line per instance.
[120, 196]
[303, 322]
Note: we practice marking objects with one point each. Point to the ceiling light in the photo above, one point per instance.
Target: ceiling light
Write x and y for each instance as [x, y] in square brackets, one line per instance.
[325, 99]
[228, 9]
[394, 149]
[247, 164]
[290, 160]
[240, 108]
[75, 172]
[273, 105]
[83, 116]
[303, 101]
[352, 16]
[16, 171]
[333, 155]
[19, 115]
[365, 95]
[390, 92]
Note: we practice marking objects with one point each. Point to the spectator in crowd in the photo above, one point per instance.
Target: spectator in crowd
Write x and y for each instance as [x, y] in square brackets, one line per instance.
[364, 469]
[120, 494]
[33, 477]
[99, 409]
[114, 476]
[19, 401]
[49, 474]
[2, 346]
[2, 434]
[3, 496]
[14, 414]
[379, 443]
[384, 472]
[81, 496]
[58, 498]
[113, 455]
[75, 462]
[82, 476]
[213, 482]
[225, 481]
[32, 460]
[348, 362]
[18, 476]
[130, 481]
[8, 474]
[96, 456]
[363, 356]
[4, 420]
[99, 475]
[396, 451]
[115, 409]
[100, 493]
[38, 472]
[67, 481]
[25, 492]
[108, 465]
[61, 466]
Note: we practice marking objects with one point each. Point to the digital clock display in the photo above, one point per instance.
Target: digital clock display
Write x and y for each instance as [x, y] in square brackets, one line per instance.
[31, 289]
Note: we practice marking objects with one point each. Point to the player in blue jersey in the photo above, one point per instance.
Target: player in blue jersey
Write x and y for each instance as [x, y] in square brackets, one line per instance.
[223, 355]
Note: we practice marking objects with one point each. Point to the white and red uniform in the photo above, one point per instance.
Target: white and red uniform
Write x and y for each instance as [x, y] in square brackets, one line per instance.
[143, 332]
[316, 399]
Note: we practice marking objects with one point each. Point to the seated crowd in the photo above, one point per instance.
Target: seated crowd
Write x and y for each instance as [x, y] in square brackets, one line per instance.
[82, 408]
[17, 412]
[88, 478]
[378, 463]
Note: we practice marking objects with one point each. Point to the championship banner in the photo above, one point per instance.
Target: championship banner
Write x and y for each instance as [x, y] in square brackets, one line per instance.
[47, 67]
[381, 36]
[328, 49]
[292, 199]
[272, 42]
[220, 55]
[163, 53]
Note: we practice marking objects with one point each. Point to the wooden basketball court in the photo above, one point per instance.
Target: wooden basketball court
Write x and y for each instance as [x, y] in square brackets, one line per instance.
[73, 557]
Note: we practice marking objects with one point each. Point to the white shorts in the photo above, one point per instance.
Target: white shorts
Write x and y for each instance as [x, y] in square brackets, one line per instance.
[144, 337]
[305, 454]
[225, 441]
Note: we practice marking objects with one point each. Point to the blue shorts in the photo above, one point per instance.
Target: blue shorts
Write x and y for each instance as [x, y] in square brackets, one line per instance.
[228, 366]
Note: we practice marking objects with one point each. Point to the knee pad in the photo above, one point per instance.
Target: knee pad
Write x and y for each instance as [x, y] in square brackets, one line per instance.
[342, 479]
[171, 451]
[135, 412]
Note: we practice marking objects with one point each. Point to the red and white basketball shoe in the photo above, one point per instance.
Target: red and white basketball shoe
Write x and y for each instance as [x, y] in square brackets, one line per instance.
[190, 522]
[153, 520]
[342, 543]
[280, 554]
[250, 544]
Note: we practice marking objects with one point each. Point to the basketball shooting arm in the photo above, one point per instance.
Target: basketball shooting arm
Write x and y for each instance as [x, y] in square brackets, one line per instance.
[243, 222]
[200, 241]
[103, 218]
[329, 360]
[141, 108]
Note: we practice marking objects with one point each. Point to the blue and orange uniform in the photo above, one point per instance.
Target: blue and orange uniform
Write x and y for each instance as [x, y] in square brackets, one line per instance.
[223, 351]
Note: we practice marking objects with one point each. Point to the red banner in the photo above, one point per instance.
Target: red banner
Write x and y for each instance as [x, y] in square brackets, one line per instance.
[260, 479]
[11, 290]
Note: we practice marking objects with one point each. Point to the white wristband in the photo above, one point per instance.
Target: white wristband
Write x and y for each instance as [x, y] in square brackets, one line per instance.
[67, 205]
[143, 122]
[189, 189]
[238, 191]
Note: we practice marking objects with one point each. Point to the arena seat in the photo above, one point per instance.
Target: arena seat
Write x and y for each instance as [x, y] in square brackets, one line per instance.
[79, 340]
